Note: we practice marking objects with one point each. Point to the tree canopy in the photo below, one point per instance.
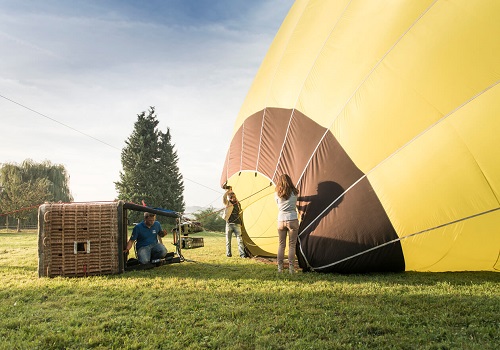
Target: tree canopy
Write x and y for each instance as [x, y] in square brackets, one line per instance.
[30, 184]
[150, 173]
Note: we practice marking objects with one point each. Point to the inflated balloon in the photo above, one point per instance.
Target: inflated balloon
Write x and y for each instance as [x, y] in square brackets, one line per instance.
[386, 115]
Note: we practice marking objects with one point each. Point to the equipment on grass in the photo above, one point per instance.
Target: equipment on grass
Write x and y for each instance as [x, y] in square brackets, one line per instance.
[83, 239]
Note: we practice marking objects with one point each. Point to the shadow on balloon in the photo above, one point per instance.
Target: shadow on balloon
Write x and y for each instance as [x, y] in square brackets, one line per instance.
[315, 207]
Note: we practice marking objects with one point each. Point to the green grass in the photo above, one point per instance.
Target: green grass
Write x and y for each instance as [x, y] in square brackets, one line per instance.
[232, 303]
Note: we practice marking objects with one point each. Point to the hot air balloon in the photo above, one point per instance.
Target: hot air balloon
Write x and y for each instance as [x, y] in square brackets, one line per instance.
[386, 115]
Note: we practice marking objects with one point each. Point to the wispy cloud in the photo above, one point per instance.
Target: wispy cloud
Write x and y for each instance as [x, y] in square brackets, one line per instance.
[95, 65]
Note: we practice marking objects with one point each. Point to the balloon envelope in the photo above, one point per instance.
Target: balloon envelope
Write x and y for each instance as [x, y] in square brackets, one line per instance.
[386, 115]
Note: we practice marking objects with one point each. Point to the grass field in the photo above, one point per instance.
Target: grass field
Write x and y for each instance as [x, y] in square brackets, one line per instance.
[232, 303]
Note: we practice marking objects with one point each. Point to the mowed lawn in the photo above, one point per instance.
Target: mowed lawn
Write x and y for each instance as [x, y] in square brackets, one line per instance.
[215, 302]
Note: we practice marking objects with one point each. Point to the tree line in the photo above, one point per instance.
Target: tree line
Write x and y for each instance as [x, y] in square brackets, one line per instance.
[149, 175]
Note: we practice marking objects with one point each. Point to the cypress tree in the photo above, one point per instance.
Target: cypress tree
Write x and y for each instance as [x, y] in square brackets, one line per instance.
[173, 189]
[150, 172]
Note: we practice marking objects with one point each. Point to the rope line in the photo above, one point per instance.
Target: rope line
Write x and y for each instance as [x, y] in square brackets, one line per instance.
[19, 210]
[58, 122]
[219, 210]
[85, 134]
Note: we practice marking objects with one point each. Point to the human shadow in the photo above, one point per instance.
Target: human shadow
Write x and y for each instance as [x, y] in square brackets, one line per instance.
[315, 207]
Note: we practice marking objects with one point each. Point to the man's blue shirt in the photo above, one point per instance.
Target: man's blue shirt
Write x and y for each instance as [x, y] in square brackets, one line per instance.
[144, 235]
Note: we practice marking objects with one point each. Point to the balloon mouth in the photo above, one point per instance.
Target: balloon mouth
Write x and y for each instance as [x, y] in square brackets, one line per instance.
[333, 192]
[255, 192]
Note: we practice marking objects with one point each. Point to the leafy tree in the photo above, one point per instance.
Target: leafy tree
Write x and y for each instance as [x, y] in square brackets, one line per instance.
[150, 172]
[211, 219]
[30, 184]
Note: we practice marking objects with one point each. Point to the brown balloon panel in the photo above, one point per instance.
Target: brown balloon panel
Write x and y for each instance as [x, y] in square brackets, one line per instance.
[344, 227]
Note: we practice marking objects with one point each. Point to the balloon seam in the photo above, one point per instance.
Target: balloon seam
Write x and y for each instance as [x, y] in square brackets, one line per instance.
[408, 236]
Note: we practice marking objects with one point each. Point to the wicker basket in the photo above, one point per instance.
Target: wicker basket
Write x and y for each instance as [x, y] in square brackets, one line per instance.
[80, 239]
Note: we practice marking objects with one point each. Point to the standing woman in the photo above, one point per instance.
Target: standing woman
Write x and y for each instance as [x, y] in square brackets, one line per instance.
[286, 198]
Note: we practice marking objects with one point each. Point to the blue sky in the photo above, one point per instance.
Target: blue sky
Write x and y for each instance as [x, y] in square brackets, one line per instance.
[95, 65]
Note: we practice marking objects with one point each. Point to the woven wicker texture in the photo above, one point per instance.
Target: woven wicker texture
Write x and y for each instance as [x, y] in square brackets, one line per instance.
[79, 239]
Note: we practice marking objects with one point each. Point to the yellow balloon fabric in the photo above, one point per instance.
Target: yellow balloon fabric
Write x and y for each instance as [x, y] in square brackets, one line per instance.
[386, 114]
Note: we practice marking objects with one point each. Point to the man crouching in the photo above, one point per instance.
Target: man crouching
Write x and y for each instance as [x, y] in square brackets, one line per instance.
[147, 234]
